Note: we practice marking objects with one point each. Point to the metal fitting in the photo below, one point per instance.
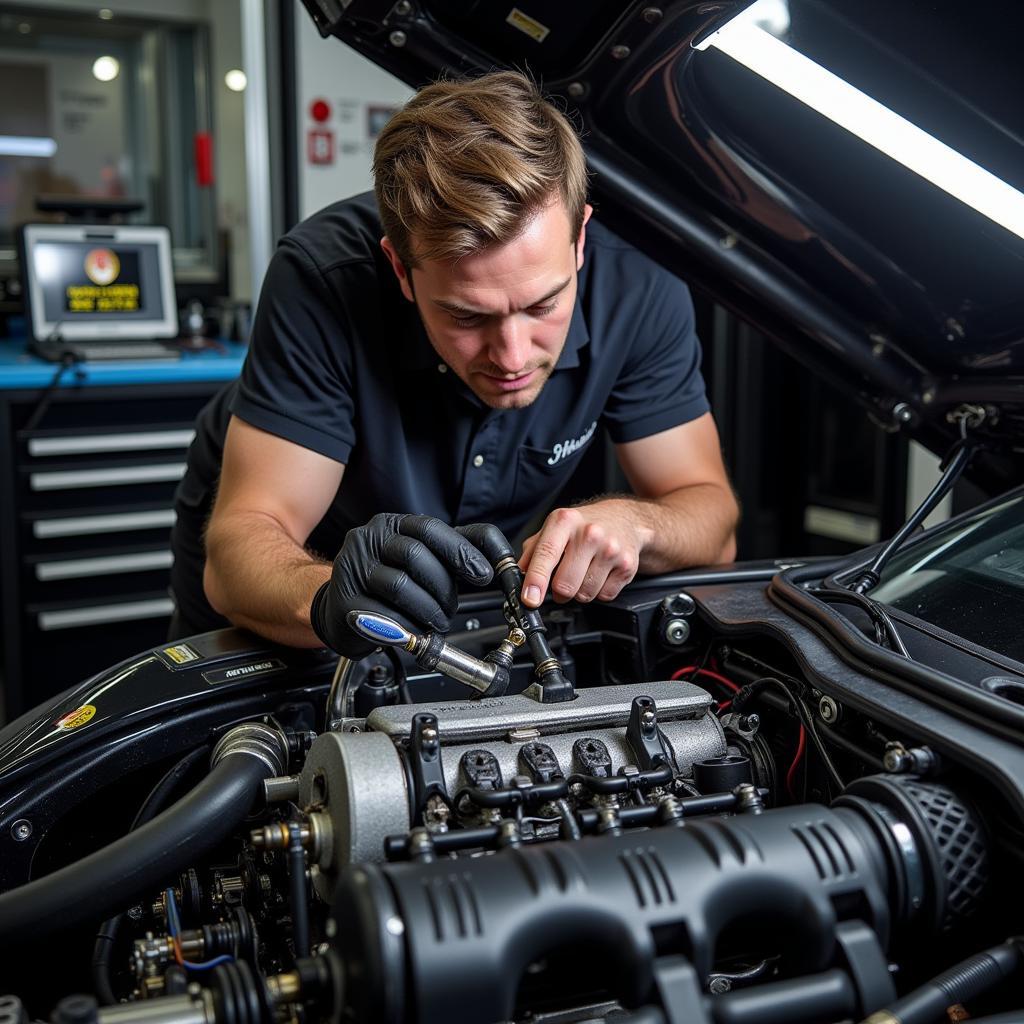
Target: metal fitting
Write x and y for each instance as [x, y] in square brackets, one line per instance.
[748, 799]
[285, 988]
[397, 38]
[829, 710]
[257, 739]
[677, 632]
[281, 790]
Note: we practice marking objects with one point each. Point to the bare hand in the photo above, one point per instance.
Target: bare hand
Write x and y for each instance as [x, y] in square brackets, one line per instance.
[593, 551]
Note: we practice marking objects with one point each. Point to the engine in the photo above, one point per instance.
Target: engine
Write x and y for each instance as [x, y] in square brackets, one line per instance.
[458, 829]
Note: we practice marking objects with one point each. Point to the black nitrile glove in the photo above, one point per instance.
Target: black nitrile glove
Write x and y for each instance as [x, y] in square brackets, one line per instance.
[402, 566]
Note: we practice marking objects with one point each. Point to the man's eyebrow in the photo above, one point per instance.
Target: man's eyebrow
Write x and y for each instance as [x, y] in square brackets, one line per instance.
[456, 307]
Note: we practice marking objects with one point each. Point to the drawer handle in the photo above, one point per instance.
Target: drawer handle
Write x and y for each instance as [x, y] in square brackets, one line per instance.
[76, 568]
[99, 615]
[72, 478]
[79, 526]
[97, 443]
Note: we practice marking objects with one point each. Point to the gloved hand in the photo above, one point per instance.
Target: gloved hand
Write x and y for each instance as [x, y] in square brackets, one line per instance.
[396, 565]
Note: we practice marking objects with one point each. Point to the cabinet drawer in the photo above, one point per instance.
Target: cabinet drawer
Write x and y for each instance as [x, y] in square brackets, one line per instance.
[53, 619]
[105, 476]
[111, 522]
[104, 565]
[97, 444]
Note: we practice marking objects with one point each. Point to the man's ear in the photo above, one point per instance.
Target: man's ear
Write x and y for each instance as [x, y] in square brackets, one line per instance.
[581, 241]
[398, 267]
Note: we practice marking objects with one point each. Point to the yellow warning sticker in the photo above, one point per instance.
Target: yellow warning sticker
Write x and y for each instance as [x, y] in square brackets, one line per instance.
[181, 654]
[73, 719]
[533, 28]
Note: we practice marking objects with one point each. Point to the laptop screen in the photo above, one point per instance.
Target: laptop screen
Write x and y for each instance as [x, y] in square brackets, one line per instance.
[98, 283]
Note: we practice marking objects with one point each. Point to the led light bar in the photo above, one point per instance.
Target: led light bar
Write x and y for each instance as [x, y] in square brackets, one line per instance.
[26, 145]
[746, 42]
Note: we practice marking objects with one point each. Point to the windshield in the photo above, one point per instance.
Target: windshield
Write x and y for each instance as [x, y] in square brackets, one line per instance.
[967, 578]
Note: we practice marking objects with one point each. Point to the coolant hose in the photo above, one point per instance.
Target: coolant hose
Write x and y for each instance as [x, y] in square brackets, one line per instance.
[117, 875]
[960, 984]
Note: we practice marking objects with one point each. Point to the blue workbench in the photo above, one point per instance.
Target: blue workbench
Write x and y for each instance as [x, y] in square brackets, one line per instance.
[20, 370]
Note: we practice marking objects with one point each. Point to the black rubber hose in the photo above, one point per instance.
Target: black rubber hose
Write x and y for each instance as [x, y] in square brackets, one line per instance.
[120, 873]
[967, 980]
[106, 937]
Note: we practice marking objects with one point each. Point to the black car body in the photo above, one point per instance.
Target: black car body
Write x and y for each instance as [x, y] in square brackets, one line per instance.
[782, 792]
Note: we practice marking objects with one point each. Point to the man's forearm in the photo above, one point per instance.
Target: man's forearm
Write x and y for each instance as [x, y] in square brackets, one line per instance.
[694, 525]
[261, 579]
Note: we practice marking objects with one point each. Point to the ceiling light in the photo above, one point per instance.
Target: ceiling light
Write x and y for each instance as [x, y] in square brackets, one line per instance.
[235, 80]
[26, 145]
[777, 62]
[106, 69]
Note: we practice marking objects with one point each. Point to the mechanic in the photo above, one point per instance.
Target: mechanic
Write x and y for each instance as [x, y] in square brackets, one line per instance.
[452, 371]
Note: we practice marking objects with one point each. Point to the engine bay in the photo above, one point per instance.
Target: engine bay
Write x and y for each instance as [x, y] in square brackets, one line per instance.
[680, 805]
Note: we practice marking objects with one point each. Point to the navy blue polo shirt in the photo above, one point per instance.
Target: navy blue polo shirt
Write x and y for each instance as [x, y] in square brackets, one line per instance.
[339, 363]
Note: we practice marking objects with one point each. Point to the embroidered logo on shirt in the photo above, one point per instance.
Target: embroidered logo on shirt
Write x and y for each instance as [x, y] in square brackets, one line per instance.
[565, 448]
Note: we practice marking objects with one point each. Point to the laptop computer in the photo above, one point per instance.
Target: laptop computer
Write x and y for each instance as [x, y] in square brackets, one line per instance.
[98, 292]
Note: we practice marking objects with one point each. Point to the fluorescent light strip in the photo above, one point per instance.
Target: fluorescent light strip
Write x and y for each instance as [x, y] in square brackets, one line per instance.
[869, 120]
[26, 145]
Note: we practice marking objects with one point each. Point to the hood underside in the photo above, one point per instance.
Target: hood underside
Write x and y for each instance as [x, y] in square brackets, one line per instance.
[847, 175]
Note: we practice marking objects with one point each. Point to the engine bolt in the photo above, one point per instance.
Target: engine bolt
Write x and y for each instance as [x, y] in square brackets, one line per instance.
[828, 709]
[397, 38]
[677, 632]
[21, 830]
[647, 719]
[719, 986]
[402, 8]
[748, 800]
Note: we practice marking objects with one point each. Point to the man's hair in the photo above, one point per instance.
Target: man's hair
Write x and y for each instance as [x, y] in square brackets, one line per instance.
[465, 164]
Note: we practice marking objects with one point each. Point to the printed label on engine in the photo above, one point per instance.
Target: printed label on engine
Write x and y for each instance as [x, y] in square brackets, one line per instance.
[80, 716]
[533, 28]
[181, 654]
[230, 675]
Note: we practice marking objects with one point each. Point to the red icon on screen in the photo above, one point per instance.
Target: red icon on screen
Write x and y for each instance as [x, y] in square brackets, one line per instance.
[320, 110]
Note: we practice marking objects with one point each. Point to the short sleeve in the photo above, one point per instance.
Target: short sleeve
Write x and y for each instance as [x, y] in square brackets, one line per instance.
[660, 384]
[296, 381]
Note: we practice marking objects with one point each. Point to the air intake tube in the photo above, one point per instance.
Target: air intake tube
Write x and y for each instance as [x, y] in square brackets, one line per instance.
[117, 875]
[421, 943]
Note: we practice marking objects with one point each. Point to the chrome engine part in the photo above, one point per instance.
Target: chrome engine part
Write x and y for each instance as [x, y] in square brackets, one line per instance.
[359, 777]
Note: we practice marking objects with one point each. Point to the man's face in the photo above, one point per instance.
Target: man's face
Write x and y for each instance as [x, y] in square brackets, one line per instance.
[499, 318]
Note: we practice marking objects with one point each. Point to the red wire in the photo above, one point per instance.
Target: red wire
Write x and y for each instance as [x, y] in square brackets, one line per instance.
[727, 683]
[801, 743]
[724, 705]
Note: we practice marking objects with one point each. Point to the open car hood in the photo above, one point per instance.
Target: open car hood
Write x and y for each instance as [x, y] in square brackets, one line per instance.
[726, 141]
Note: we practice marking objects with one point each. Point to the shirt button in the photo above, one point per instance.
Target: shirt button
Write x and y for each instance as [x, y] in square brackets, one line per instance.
[478, 461]
[441, 368]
